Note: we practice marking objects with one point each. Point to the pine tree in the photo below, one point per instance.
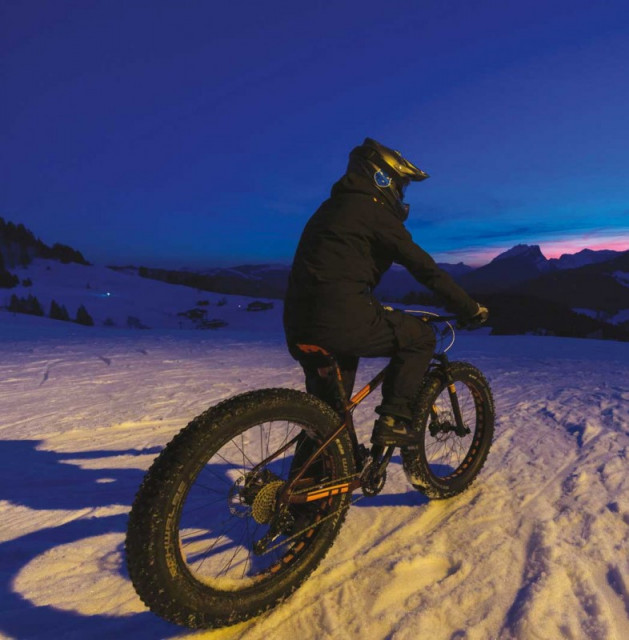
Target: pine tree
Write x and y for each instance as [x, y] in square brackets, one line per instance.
[83, 317]
[54, 310]
[58, 311]
[24, 259]
[33, 306]
[7, 279]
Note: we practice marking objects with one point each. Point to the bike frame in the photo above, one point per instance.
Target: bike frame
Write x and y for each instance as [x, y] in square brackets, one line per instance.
[292, 493]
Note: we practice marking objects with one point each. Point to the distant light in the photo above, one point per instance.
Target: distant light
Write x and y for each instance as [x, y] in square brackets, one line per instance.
[108, 294]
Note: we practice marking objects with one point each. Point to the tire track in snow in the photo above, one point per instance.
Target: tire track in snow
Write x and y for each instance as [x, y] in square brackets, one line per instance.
[553, 562]
[367, 547]
[49, 367]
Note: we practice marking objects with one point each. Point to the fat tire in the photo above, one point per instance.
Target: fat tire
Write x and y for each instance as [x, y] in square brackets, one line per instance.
[415, 461]
[154, 559]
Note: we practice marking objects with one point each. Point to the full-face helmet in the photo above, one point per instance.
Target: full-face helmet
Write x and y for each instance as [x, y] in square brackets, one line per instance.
[389, 169]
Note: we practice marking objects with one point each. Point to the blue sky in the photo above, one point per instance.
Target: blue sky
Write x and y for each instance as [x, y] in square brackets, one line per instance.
[202, 133]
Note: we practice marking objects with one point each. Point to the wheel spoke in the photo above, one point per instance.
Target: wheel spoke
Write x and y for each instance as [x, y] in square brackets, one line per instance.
[446, 451]
[200, 512]
[223, 550]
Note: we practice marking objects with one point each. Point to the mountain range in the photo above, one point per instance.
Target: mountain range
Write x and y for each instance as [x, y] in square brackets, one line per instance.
[524, 263]
[581, 294]
[509, 271]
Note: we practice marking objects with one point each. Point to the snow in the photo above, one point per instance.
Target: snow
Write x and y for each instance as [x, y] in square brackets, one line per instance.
[119, 294]
[597, 314]
[621, 316]
[590, 313]
[536, 548]
[622, 277]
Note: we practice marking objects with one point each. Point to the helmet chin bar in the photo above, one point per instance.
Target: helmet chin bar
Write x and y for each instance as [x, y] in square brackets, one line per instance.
[383, 181]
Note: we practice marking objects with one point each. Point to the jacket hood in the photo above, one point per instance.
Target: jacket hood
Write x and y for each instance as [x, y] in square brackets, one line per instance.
[354, 183]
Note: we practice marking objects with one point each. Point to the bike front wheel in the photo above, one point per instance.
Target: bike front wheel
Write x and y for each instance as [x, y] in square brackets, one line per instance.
[207, 543]
[450, 456]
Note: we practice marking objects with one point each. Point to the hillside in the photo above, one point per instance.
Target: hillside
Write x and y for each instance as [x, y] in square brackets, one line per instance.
[526, 292]
[510, 268]
[603, 286]
[122, 300]
[268, 281]
[19, 247]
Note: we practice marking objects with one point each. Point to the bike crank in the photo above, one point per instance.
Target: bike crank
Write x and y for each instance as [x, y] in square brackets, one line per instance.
[374, 475]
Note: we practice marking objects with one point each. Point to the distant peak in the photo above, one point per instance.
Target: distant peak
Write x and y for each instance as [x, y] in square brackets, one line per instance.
[530, 251]
[583, 252]
[584, 257]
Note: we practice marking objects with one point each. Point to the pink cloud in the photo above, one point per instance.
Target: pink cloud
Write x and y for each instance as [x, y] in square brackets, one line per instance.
[477, 256]
[618, 242]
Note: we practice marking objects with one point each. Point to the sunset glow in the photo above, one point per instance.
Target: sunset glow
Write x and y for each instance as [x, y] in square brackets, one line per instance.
[478, 256]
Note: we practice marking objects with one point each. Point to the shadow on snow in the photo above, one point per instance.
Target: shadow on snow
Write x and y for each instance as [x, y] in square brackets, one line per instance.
[41, 480]
[47, 480]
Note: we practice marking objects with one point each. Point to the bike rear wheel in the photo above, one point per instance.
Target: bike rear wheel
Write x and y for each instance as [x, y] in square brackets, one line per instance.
[448, 459]
[211, 497]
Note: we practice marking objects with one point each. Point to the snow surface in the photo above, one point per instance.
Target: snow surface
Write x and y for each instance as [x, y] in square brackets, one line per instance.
[117, 295]
[622, 277]
[597, 314]
[536, 549]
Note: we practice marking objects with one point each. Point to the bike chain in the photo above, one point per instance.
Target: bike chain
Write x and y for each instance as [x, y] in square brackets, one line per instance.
[312, 526]
[316, 524]
[330, 515]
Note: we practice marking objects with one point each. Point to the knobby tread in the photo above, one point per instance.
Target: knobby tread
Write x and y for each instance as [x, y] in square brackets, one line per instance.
[414, 460]
[171, 592]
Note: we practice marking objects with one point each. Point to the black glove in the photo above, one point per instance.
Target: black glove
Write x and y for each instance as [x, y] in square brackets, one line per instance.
[475, 321]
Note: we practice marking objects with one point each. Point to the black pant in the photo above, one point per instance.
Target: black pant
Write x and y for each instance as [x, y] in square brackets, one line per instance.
[407, 340]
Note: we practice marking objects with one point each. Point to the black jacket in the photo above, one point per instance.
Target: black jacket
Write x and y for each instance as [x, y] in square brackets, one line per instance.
[346, 246]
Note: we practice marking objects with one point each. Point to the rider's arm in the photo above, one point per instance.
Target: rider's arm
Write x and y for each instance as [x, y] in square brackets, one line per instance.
[399, 243]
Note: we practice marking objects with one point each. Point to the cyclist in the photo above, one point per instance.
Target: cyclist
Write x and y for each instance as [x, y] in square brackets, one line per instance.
[346, 246]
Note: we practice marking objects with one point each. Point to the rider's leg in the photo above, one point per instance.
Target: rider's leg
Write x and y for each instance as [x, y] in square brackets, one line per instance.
[323, 387]
[415, 347]
[410, 343]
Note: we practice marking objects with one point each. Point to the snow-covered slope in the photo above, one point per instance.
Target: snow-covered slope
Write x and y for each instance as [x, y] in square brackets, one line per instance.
[536, 549]
[117, 295]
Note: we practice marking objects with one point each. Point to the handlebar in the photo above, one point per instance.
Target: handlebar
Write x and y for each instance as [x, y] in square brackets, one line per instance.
[429, 316]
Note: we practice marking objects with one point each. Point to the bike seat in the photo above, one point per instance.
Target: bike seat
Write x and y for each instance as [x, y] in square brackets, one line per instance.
[317, 356]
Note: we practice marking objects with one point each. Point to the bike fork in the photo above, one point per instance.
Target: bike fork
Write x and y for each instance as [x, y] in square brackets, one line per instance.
[461, 429]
